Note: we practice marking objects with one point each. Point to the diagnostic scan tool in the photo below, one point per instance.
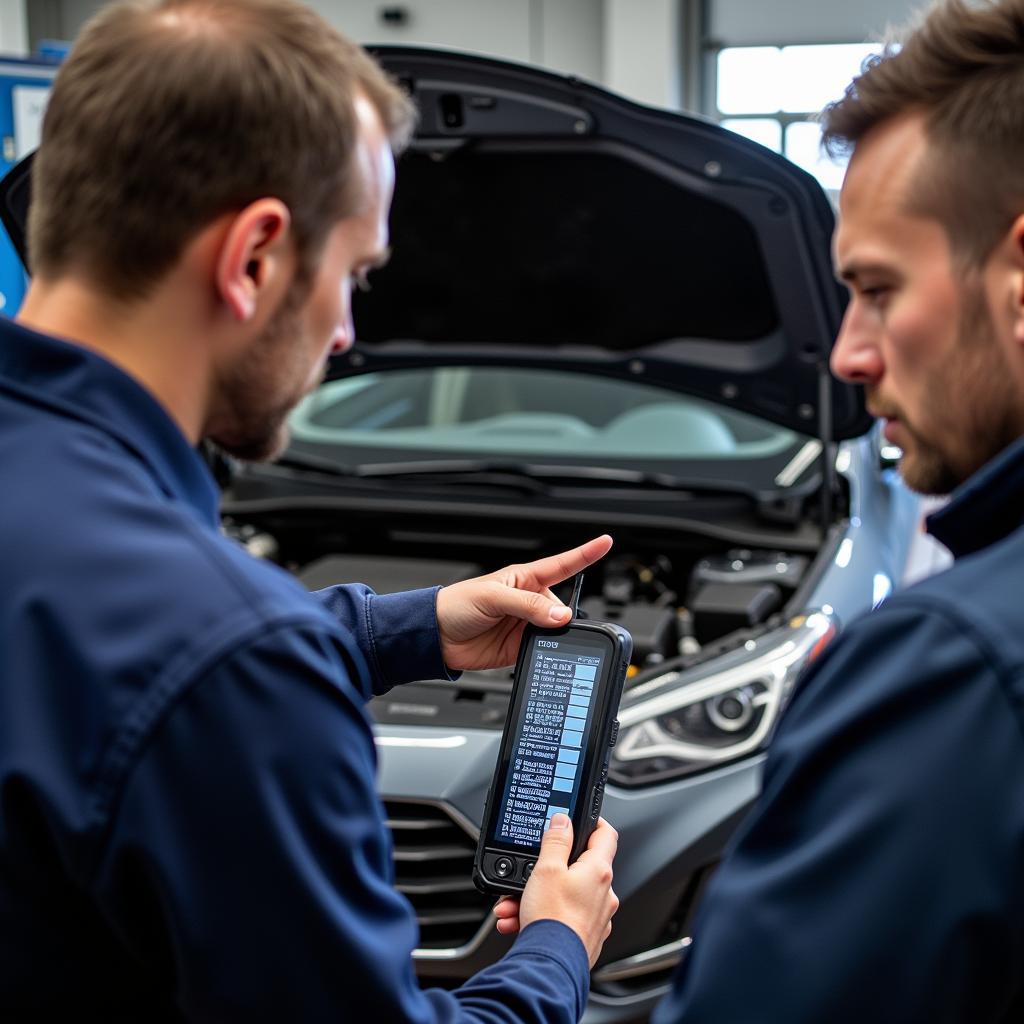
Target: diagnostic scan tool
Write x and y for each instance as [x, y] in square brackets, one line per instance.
[555, 747]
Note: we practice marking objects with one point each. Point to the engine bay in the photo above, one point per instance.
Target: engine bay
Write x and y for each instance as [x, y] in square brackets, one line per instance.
[682, 598]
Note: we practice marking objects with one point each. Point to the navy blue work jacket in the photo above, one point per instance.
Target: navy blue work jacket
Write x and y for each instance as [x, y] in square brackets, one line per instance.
[188, 823]
[880, 876]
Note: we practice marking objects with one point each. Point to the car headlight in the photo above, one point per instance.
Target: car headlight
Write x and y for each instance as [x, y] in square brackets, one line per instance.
[683, 721]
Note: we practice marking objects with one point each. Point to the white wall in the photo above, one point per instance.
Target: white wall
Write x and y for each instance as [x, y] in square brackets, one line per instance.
[572, 37]
[563, 35]
[13, 28]
[766, 22]
[633, 46]
[499, 27]
[642, 50]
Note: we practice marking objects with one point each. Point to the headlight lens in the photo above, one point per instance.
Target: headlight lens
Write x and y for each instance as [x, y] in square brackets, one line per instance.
[684, 721]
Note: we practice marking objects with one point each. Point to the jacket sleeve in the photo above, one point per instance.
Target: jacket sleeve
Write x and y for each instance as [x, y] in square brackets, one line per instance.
[396, 632]
[249, 864]
[879, 876]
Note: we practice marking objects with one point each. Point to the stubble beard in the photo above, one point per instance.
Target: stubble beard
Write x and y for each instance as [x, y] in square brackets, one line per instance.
[975, 393]
[261, 391]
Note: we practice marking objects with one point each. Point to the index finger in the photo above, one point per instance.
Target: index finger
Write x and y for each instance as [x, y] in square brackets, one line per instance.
[555, 568]
[603, 844]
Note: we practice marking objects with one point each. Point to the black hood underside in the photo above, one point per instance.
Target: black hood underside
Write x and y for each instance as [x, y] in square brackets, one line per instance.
[542, 221]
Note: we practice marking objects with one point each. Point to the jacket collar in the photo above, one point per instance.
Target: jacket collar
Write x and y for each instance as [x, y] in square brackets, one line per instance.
[986, 508]
[82, 385]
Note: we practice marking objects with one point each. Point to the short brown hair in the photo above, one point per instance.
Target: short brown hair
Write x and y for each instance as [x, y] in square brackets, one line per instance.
[962, 67]
[167, 115]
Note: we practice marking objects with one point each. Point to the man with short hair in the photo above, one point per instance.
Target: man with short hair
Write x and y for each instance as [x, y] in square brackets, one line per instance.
[880, 876]
[188, 823]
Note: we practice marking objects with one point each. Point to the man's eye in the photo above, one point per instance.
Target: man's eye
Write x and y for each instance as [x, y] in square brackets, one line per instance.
[875, 293]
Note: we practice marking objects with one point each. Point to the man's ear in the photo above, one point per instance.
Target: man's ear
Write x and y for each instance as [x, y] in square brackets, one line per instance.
[254, 256]
[1016, 236]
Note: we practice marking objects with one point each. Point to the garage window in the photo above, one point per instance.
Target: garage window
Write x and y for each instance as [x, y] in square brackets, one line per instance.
[771, 93]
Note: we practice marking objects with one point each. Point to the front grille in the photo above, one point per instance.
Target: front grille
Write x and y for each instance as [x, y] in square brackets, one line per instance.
[434, 871]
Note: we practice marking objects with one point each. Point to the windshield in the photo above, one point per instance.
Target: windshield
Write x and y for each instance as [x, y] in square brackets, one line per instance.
[525, 413]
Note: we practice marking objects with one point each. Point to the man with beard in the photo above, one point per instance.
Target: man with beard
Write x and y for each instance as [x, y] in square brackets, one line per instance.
[880, 876]
[188, 823]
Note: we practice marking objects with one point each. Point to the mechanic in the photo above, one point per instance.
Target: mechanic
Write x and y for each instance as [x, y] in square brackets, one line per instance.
[880, 876]
[189, 828]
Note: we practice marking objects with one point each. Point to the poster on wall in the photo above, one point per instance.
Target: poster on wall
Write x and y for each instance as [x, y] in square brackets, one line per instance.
[29, 105]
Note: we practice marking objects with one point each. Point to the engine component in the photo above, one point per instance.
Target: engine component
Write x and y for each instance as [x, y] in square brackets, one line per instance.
[654, 629]
[627, 581]
[743, 566]
[720, 608]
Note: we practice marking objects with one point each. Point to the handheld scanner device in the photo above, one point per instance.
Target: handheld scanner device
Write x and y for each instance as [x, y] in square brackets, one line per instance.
[555, 747]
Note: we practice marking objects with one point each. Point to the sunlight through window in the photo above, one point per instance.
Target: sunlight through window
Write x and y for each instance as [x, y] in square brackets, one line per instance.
[765, 130]
[792, 84]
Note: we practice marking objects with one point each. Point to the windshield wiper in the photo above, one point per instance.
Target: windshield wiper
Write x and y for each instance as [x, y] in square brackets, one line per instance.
[533, 479]
[543, 476]
[436, 471]
[306, 463]
[455, 471]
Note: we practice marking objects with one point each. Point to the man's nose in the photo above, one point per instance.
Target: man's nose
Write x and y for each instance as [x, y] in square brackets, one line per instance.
[856, 356]
[344, 335]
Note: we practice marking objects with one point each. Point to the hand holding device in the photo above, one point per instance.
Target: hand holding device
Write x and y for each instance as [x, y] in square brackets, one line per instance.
[579, 895]
[555, 748]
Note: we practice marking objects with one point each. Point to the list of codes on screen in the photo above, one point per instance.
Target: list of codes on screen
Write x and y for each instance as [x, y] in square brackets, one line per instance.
[549, 742]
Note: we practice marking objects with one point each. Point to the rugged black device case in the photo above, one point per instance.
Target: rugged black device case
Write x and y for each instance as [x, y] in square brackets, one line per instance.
[588, 807]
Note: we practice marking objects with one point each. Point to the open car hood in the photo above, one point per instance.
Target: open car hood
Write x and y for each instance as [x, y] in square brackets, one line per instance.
[542, 221]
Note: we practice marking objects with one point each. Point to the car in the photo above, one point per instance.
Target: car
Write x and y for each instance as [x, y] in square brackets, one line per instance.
[598, 317]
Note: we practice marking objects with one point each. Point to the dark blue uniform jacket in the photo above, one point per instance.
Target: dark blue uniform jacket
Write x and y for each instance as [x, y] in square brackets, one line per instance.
[880, 877]
[188, 822]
